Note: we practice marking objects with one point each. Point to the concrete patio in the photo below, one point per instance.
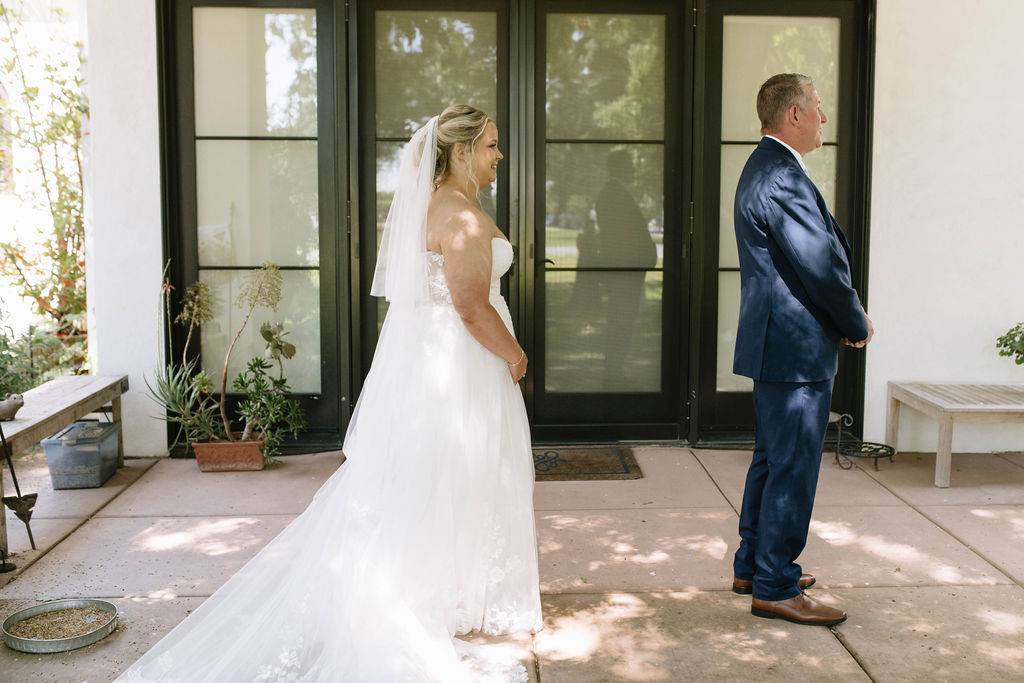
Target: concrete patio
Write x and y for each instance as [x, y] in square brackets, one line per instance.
[635, 574]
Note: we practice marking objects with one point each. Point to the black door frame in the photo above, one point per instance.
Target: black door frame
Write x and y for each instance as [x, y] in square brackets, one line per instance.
[728, 417]
[601, 417]
[327, 411]
[693, 413]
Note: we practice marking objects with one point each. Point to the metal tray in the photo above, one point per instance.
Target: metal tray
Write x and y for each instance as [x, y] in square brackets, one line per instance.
[39, 646]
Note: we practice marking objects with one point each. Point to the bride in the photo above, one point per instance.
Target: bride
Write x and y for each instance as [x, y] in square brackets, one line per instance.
[426, 531]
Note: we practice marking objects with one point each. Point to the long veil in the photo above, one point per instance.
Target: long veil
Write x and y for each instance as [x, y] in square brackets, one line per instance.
[401, 275]
[425, 532]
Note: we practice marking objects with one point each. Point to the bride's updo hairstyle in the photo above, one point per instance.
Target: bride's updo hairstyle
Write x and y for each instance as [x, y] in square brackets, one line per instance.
[458, 123]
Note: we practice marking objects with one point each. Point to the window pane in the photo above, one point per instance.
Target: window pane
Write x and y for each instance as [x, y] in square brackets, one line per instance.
[603, 332]
[756, 47]
[605, 76]
[299, 311]
[255, 71]
[257, 201]
[429, 60]
[728, 317]
[604, 205]
[733, 159]
[821, 166]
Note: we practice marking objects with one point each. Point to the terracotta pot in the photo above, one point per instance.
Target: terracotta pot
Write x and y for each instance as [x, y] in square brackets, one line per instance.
[229, 456]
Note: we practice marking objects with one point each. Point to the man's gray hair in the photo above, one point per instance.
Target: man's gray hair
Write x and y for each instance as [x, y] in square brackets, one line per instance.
[777, 95]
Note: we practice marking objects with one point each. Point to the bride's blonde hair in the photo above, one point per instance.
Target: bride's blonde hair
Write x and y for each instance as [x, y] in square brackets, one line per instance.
[459, 123]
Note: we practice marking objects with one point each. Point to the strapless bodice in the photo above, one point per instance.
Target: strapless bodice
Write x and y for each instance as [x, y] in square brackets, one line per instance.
[437, 282]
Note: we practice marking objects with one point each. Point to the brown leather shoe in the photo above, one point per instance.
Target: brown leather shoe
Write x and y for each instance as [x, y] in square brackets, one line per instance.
[744, 587]
[800, 610]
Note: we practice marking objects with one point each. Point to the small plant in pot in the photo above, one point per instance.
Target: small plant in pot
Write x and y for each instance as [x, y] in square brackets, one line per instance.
[1012, 344]
[266, 413]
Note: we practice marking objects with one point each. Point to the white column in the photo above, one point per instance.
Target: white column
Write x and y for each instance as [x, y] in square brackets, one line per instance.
[124, 253]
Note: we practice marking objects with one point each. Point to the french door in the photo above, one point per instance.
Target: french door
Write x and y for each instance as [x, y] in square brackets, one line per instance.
[624, 127]
[611, 219]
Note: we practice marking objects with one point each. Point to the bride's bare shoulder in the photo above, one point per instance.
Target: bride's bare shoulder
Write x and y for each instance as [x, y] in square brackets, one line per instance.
[451, 218]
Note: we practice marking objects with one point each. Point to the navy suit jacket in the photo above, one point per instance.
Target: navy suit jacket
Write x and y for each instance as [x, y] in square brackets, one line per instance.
[797, 299]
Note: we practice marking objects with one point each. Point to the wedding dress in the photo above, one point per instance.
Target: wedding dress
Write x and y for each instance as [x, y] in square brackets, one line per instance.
[426, 530]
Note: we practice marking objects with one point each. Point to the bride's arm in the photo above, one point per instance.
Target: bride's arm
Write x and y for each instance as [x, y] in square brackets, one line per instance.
[466, 247]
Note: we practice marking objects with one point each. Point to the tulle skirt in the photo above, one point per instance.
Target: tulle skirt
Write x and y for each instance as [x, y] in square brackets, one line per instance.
[426, 531]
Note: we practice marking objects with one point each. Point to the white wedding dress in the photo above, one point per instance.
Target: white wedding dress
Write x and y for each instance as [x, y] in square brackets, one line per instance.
[426, 530]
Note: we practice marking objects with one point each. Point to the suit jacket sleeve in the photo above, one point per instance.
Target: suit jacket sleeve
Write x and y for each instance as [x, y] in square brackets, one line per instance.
[803, 232]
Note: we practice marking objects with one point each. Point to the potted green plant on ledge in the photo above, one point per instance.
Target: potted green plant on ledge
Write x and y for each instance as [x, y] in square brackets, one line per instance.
[1012, 344]
[265, 412]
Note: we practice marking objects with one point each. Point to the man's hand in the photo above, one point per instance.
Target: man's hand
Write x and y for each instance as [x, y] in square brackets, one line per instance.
[864, 342]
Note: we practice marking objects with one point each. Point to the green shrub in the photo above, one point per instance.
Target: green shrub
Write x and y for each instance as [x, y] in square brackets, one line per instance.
[1012, 344]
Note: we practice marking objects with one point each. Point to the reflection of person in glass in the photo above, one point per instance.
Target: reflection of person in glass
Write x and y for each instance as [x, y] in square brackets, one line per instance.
[624, 243]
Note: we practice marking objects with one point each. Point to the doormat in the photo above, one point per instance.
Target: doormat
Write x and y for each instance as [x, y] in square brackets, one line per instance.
[583, 463]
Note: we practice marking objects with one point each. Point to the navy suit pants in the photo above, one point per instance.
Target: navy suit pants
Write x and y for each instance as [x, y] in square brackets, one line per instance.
[790, 419]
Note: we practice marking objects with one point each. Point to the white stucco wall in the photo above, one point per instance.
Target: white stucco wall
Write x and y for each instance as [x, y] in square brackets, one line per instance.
[947, 233]
[124, 254]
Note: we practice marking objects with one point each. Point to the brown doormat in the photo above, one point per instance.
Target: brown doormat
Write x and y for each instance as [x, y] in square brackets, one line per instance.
[575, 463]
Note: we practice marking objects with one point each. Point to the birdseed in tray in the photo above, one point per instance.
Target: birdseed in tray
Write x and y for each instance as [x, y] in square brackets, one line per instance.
[65, 623]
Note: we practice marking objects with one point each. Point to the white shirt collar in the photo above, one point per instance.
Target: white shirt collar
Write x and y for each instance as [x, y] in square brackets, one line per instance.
[796, 154]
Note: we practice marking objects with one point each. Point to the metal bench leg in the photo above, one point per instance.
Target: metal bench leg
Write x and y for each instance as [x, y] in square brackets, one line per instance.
[944, 452]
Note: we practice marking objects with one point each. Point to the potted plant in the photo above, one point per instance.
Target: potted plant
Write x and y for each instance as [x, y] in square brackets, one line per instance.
[1012, 343]
[186, 391]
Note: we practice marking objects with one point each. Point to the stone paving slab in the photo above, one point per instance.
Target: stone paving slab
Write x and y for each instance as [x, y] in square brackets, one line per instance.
[977, 479]
[47, 532]
[141, 623]
[286, 489]
[602, 550]
[996, 532]
[34, 477]
[936, 633]
[156, 557]
[681, 636]
[673, 478]
[889, 546]
[836, 486]
[1016, 458]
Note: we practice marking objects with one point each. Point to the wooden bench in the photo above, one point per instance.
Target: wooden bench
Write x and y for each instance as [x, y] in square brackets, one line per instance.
[52, 406]
[949, 403]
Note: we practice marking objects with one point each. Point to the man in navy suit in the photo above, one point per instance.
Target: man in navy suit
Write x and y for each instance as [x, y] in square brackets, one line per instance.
[797, 305]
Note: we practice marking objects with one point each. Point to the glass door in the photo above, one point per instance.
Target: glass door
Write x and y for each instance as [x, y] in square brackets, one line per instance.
[421, 59]
[747, 43]
[254, 132]
[608, 228]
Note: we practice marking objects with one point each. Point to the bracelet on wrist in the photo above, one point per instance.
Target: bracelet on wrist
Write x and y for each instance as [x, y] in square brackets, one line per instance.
[521, 357]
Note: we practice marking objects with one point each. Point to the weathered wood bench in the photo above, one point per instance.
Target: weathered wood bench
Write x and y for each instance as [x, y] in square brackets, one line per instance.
[949, 403]
[54, 405]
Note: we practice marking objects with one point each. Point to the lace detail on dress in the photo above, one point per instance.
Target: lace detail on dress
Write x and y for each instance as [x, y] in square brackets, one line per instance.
[437, 283]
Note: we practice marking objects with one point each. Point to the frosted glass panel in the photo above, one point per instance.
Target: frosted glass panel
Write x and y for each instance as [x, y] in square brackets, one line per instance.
[605, 76]
[821, 167]
[255, 71]
[734, 157]
[604, 205]
[728, 317]
[257, 201]
[756, 47]
[299, 311]
[429, 60]
[603, 332]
